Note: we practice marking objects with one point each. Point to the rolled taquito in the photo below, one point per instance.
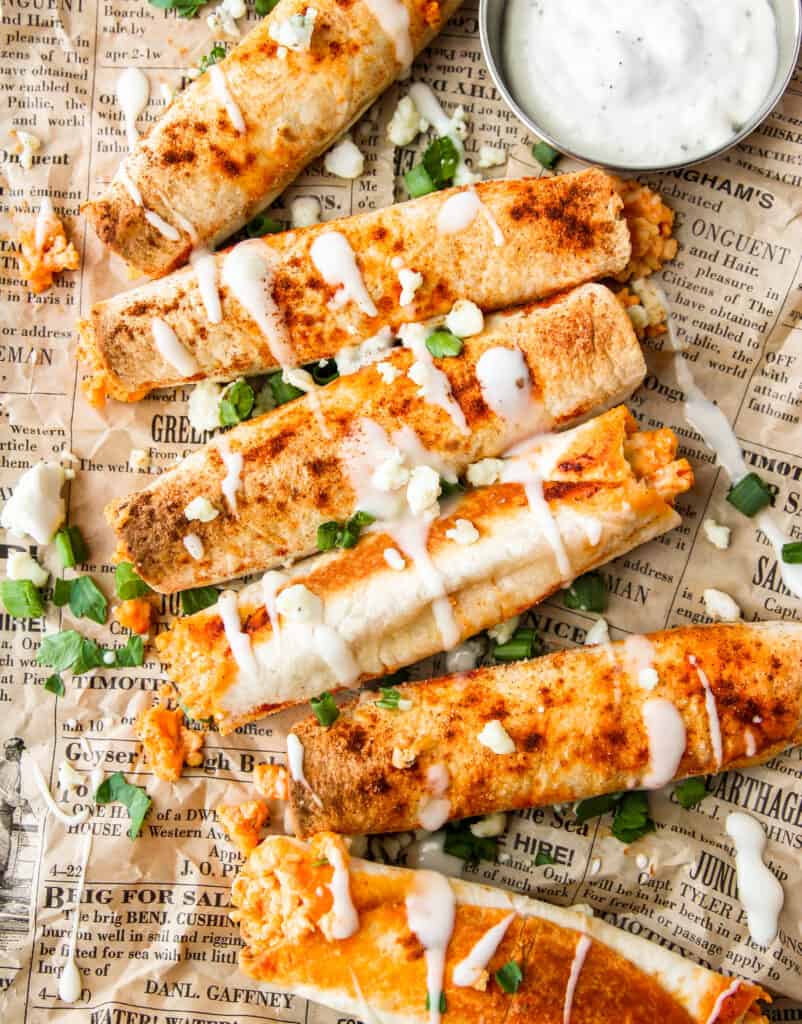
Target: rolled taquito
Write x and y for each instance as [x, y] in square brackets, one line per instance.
[409, 947]
[571, 725]
[526, 239]
[232, 140]
[413, 588]
[580, 353]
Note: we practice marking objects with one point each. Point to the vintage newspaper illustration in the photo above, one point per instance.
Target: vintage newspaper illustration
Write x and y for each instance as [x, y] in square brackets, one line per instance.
[153, 941]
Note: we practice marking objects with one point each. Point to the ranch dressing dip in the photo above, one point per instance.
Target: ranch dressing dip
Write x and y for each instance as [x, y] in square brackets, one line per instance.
[640, 83]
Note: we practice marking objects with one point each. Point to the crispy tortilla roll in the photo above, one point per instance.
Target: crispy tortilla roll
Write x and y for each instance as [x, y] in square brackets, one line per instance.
[351, 615]
[580, 352]
[557, 233]
[372, 941]
[580, 722]
[233, 140]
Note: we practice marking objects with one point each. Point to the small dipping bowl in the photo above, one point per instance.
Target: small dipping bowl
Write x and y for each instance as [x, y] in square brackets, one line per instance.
[788, 14]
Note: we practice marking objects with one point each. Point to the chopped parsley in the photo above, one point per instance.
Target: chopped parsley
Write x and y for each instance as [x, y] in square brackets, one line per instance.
[21, 599]
[115, 790]
[509, 977]
[461, 842]
[342, 535]
[542, 859]
[546, 155]
[129, 583]
[631, 818]
[87, 600]
[690, 792]
[55, 684]
[588, 593]
[236, 403]
[198, 598]
[325, 709]
[217, 53]
[183, 8]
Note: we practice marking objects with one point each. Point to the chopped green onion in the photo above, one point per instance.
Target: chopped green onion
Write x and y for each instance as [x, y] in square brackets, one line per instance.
[587, 593]
[792, 553]
[61, 592]
[441, 160]
[325, 710]
[71, 546]
[21, 599]
[442, 343]
[263, 7]
[282, 391]
[55, 684]
[546, 155]
[198, 598]
[690, 792]
[129, 583]
[115, 789]
[442, 1002]
[324, 371]
[217, 52]
[236, 403]
[328, 535]
[390, 699]
[461, 842]
[749, 495]
[542, 858]
[524, 643]
[509, 977]
[87, 600]
[262, 225]
[418, 181]
[449, 490]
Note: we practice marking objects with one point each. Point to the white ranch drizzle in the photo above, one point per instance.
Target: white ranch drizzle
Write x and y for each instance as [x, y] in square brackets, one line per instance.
[519, 471]
[248, 275]
[125, 180]
[582, 947]
[436, 386]
[468, 971]
[718, 1006]
[133, 90]
[70, 982]
[161, 225]
[336, 653]
[665, 730]
[712, 712]
[434, 810]
[759, 890]
[232, 481]
[461, 210]
[335, 261]
[708, 419]
[430, 906]
[183, 222]
[171, 350]
[43, 219]
[205, 267]
[223, 95]
[393, 19]
[272, 582]
[749, 742]
[239, 642]
[345, 919]
[295, 763]
[77, 818]
[507, 386]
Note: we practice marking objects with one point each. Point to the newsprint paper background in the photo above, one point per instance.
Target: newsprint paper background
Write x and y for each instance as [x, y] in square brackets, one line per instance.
[154, 942]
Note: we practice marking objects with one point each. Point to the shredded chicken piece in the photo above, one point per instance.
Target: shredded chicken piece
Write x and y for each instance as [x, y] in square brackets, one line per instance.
[137, 614]
[167, 742]
[45, 252]
[270, 781]
[650, 223]
[243, 823]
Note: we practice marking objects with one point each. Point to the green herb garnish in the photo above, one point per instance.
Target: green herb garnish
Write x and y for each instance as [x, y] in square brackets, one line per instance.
[441, 160]
[71, 546]
[587, 593]
[792, 553]
[461, 842]
[442, 343]
[749, 495]
[332, 534]
[442, 1002]
[282, 391]
[542, 858]
[87, 600]
[449, 489]
[263, 7]
[524, 643]
[21, 599]
[183, 8]
[324, 374]
[90, 655]
[55, 684]
[546, 155]
[236, 403]
[390, 699]
[690, 792]
[325, 709]
[61, 592]
[132, 655]
[60, 651]
[418, 182]
[115, 789]
[129, 583]
[595, 806]
[631, 819]
[198, 598]
[262, 225]
[509, 977]
[217, 53]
